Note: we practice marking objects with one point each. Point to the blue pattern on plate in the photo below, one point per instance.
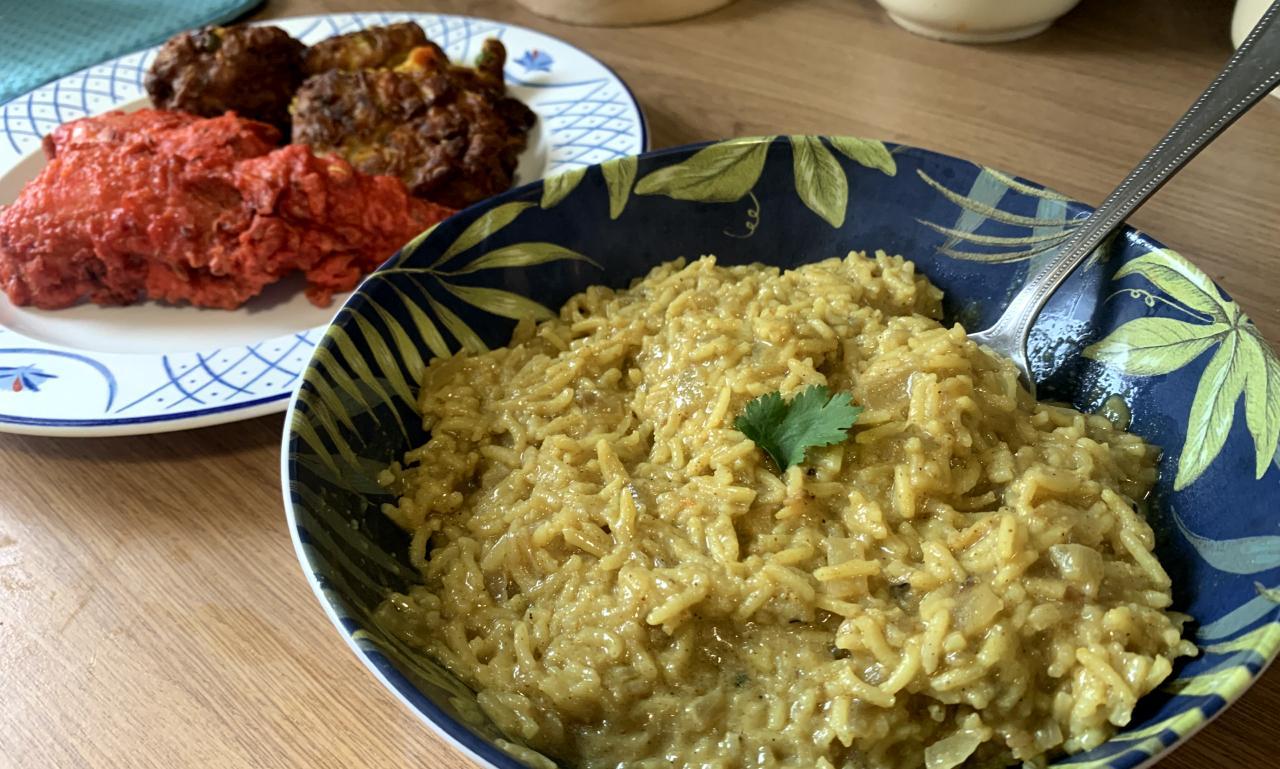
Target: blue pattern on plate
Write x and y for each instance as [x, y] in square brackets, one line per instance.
[972, 230]
[61, 360]
[224, 375]
[590, 127]
[19, 378]
[535, 61]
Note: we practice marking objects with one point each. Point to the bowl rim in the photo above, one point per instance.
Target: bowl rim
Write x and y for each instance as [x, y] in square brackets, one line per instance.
[485, 752]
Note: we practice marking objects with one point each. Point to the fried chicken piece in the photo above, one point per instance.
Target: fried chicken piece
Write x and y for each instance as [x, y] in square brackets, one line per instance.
[450, 133]
[373, 48]
[251, 70]
[172, 207]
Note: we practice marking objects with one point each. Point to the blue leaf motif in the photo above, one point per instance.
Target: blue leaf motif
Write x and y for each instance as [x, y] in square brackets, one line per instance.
[19, 378]
[1248, 555]
[1050, 227]
[1238, 619]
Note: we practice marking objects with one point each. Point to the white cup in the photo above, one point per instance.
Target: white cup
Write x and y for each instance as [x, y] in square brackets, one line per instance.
[1245, 19]
[976, 21]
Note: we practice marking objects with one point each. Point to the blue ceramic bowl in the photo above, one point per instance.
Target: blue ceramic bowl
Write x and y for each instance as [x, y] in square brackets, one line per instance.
[1138, 321]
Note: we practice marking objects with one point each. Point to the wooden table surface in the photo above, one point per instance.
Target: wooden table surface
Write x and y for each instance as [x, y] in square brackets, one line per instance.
[152, 613]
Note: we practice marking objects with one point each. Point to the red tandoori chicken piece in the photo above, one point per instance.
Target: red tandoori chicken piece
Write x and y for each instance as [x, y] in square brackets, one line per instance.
[177, 208]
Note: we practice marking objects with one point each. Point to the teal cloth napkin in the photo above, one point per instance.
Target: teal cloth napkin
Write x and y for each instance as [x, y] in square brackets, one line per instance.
[42, 40]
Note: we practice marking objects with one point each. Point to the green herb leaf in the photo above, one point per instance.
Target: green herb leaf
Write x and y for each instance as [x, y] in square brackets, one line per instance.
[786, 430]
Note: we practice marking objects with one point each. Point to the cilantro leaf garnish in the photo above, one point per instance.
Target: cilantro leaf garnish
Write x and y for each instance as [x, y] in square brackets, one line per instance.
[786, 429]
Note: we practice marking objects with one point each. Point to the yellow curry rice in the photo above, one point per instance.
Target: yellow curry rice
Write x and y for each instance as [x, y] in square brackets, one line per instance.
[626, 581]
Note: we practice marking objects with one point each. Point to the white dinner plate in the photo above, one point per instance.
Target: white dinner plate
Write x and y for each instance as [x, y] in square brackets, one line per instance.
[147, 368]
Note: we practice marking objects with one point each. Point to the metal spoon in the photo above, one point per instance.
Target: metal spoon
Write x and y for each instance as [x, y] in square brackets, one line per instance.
[1250, 74]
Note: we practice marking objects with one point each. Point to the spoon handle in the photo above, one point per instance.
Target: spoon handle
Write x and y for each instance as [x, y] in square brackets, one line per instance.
[1252, 72]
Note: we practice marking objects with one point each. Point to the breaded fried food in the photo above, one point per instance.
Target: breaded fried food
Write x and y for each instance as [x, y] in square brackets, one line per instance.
[176, 208]
[253, 71]
[373, 48]
[450, 133]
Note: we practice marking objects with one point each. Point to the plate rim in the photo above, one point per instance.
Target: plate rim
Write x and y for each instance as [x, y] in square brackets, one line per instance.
[23, 424]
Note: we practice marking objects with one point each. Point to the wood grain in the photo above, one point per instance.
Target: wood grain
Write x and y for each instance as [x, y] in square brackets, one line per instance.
[153, 613]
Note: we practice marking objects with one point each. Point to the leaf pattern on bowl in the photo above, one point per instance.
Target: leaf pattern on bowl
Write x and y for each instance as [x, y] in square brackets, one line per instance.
[1245, 555]
[1049, 226]
[483, 227]
[619, 177]
[727, 172]
[519, 255]
[718, 173]
[868, 153]
[495, 301]
[820, 181]
[1243, 363]
[558, 187]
